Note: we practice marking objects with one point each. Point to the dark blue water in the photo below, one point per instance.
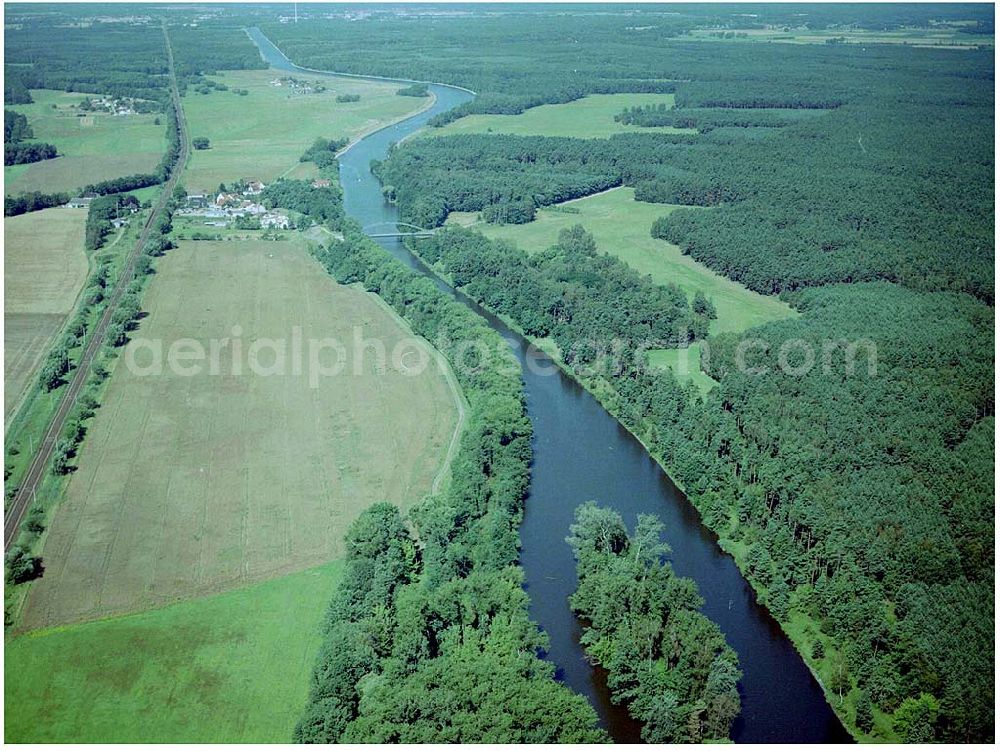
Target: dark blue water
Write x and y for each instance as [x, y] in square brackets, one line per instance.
[582, 453]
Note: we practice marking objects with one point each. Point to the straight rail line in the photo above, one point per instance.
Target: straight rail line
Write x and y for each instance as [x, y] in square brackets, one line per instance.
[36, 472]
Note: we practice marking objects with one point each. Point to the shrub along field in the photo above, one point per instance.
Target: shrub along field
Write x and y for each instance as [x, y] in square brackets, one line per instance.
[232, 668]
[262, 134]
[97, 147]
[188, 485]
[45, 269]
[590, 117]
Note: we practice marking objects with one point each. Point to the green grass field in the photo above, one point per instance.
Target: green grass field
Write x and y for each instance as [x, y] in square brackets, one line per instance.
[685, 364]
[261, 135]
[621, 226]
[193, 484]
[45, 267]
[944, 36]
[97, 147]
[232, 668]
[590, 117]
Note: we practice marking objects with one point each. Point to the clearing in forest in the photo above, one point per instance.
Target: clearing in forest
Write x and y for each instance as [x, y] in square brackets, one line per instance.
[262, 135]
[192, 484]
[621, 226]
[590, 117]
[231, 668]
[93, 147]
[45, 268]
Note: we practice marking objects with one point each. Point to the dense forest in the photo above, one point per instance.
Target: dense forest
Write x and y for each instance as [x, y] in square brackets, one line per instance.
[850, 492]
[668, 662]
[857, 181]
[121, 60]
[432, 641]
[570, 293]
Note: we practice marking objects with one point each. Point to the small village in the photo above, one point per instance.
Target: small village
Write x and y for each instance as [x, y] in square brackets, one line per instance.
[119, 106]
[297, 86]
[240, 207]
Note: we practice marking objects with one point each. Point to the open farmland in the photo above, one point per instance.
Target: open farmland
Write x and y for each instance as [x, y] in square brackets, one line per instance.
[98, 146]
[230, 668]
[45, 268]
[590, 117]
[190, 484]
[261, 135]
[621, 227]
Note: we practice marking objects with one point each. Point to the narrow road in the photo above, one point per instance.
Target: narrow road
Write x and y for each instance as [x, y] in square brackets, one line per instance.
[40, 464]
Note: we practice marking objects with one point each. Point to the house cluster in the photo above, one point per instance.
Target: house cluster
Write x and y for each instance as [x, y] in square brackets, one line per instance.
[82, 201]
[229, 205]
[113, 105]
[299, 87]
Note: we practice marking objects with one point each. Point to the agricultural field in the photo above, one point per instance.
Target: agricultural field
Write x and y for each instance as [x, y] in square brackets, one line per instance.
[189, 484]
[685, 364]
[229, 668]
[98, 146]
[590, 117]
[263, 134]
[945, 36]
[621, 226]
[45, 269]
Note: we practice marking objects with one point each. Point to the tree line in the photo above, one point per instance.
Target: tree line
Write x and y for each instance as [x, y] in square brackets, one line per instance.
[427, 638]
[706, 119]
[570, 293]
[17, 147]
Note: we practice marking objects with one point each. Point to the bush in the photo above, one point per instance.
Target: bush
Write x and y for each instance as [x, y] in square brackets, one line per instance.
[22, 566]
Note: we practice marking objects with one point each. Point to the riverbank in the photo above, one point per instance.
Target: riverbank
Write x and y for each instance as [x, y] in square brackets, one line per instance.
[580, 452]
[802, 636]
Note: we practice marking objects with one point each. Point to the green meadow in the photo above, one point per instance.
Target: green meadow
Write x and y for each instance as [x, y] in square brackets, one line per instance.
[621, 226]
[98, 146]
[262, 135]
[685, 364]
[590, 117]
[228, 668]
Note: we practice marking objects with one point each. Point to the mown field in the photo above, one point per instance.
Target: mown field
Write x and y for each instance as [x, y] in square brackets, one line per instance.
[45, 267]
[229, 668]
[685, 364]
[261, 135]
[192, 484]
[93, 148]
[590, 117]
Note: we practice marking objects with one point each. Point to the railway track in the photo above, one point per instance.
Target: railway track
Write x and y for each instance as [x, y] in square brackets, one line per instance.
[36, 472]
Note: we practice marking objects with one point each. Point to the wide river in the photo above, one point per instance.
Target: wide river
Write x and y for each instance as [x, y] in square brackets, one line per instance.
[582, 453]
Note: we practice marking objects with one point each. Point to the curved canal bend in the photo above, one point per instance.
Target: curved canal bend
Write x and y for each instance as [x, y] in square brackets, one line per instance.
[580, 453]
